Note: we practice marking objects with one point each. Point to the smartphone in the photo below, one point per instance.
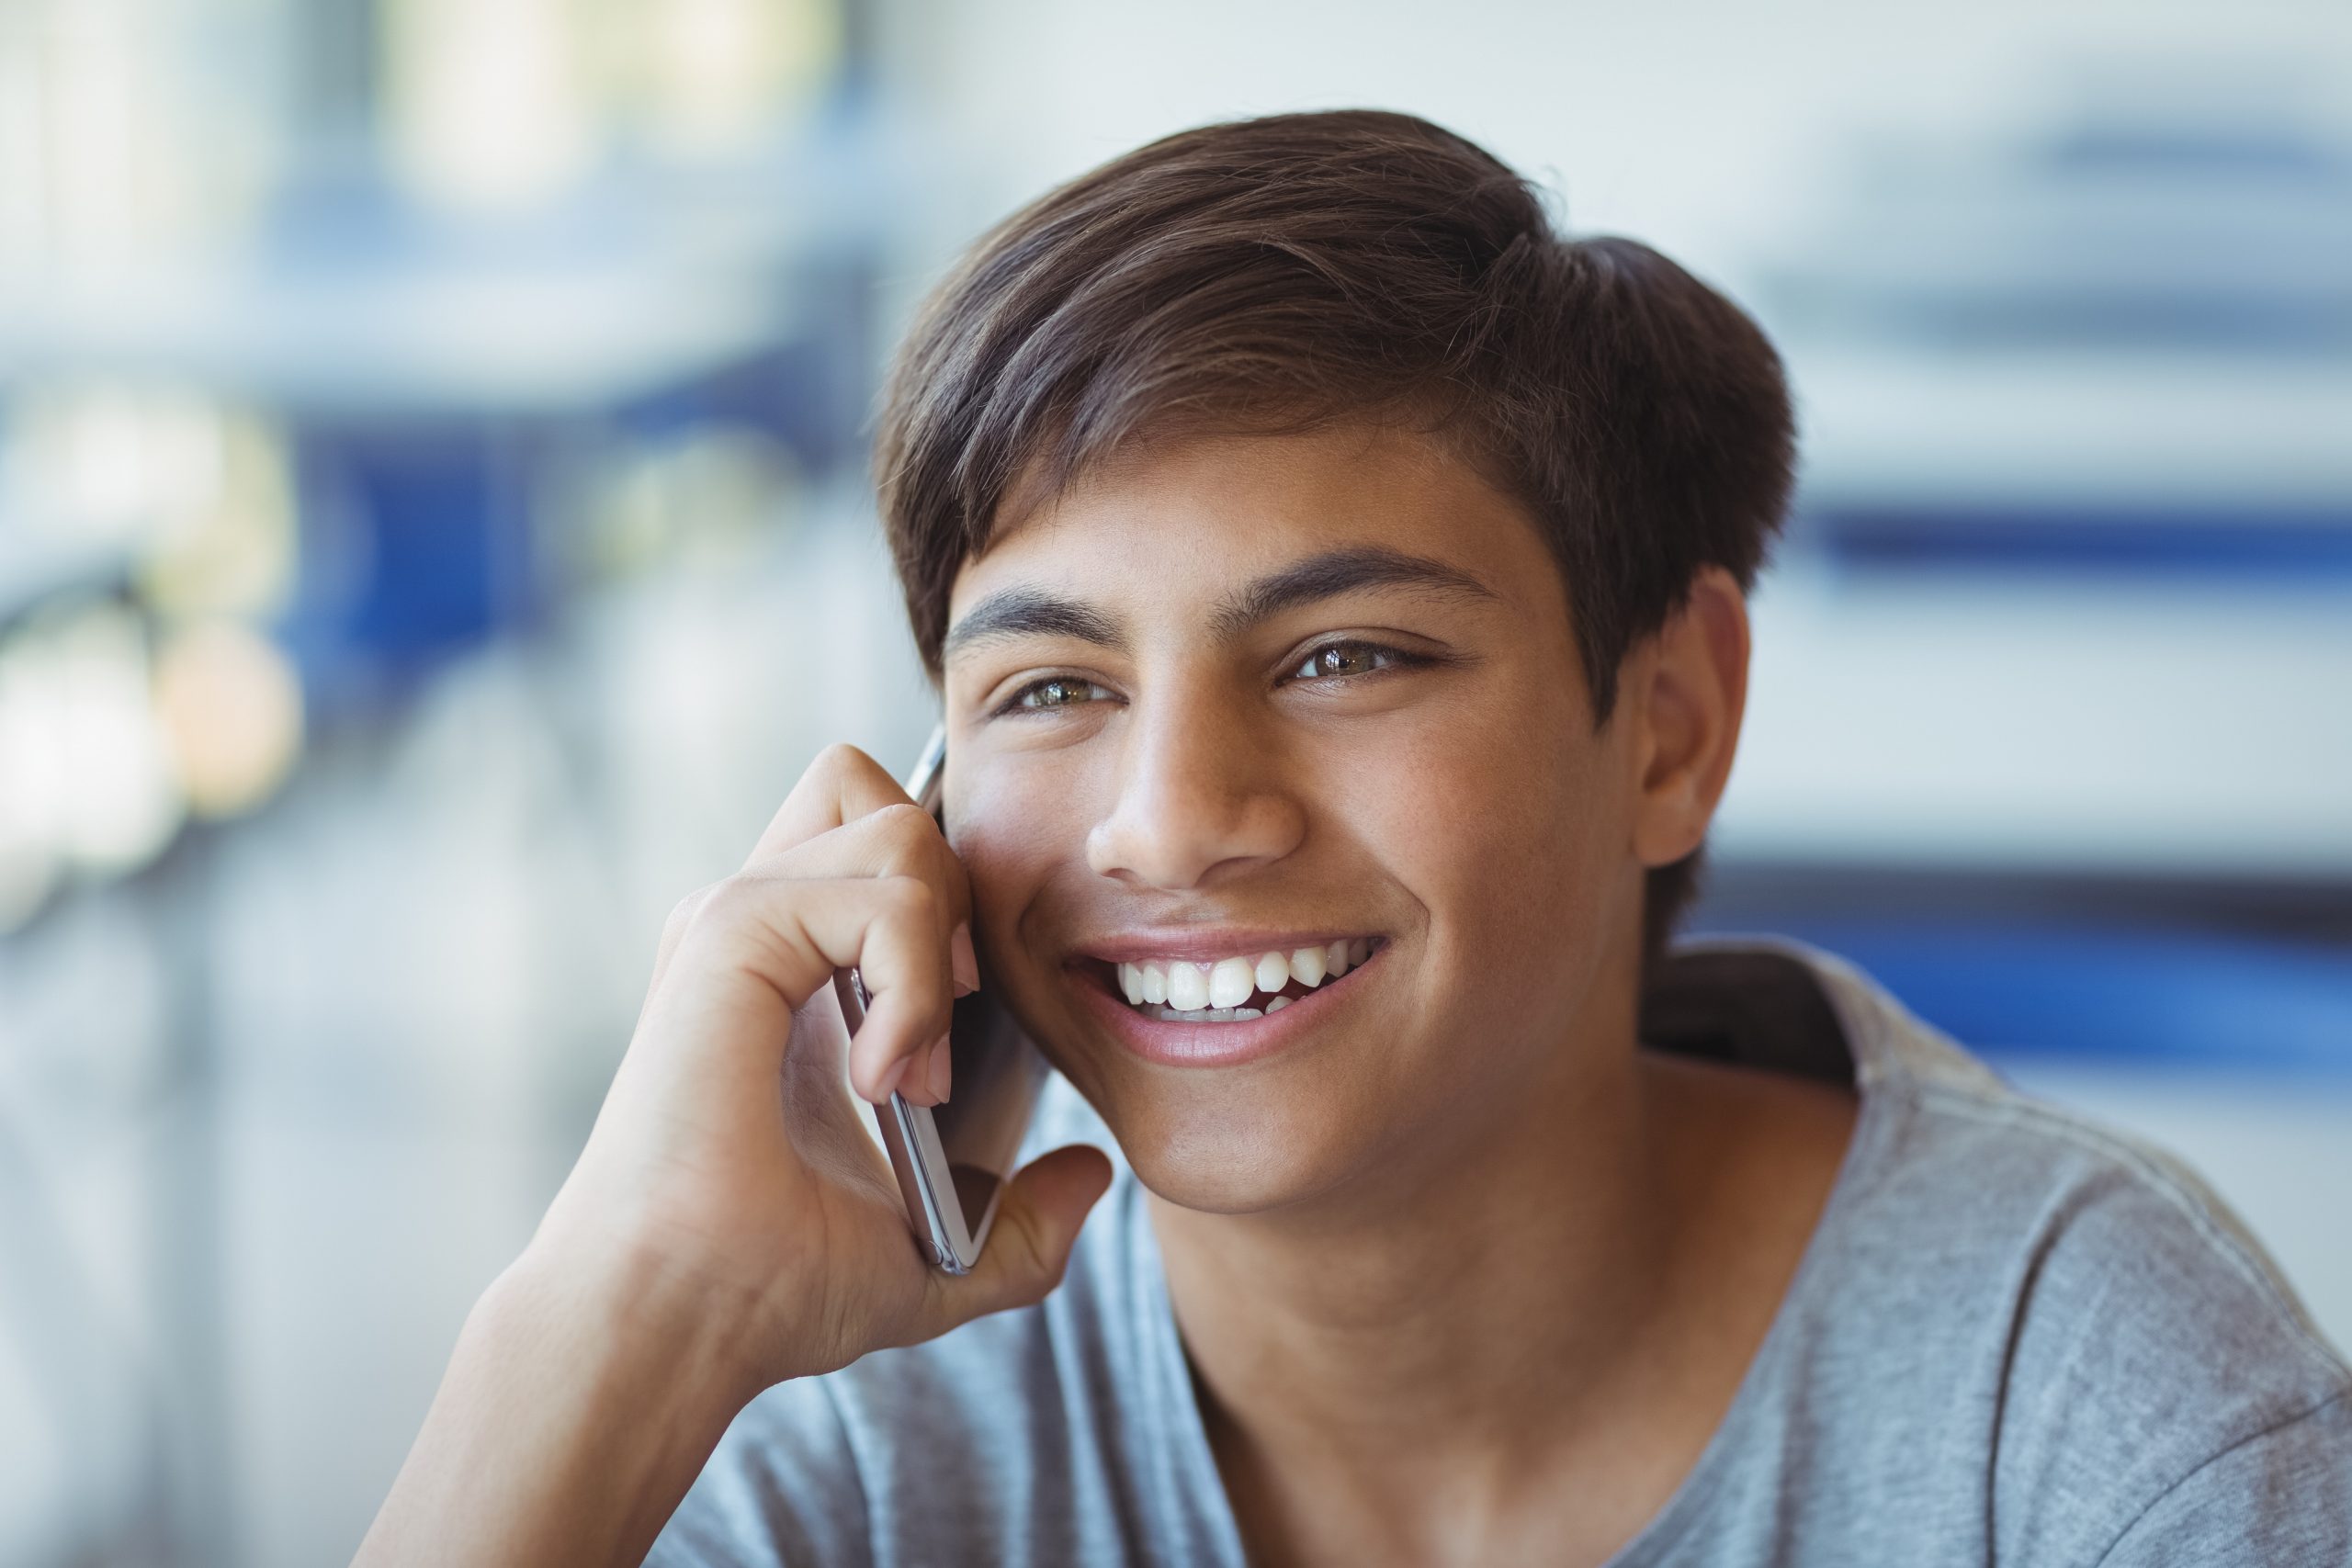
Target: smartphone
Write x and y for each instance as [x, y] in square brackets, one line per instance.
[952, 1160]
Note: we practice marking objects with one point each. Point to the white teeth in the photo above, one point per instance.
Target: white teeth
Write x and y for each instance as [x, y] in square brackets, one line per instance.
[1202, 1015]
[1188, 987]
[1193, 989]
[1230, 982]
[1278, 1004]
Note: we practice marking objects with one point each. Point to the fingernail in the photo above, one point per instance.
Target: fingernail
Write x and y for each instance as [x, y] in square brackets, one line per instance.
[961, 958]
[942, 1070]
[890, 1080]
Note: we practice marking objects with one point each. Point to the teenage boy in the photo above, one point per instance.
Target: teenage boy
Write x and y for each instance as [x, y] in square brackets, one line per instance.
[1326, 566]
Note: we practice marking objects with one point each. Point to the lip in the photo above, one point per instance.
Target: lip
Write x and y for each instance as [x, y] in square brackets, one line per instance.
[1206, 944]
[1169, 1043]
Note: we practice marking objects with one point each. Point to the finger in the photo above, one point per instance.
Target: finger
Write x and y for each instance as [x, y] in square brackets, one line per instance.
[758, 947]
[894, 840]
[902, 960]
[1028, 1248]
[681, 914]
[898, 840]
[843, 785]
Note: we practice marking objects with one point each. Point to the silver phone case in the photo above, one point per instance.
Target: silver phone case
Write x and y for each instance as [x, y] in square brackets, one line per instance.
[910, 1133]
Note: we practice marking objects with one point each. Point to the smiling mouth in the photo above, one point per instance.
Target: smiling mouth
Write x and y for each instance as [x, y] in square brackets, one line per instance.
[1238, 988]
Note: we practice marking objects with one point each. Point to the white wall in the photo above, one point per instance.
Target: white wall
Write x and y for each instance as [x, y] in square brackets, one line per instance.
[1695, 125]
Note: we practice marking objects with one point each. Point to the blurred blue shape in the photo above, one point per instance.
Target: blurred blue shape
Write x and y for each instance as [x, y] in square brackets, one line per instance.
[431, 515]
[2280, 149]
[2153, 999]
[2197, 544]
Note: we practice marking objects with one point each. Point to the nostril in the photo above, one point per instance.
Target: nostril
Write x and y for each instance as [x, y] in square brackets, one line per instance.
[1193, 824]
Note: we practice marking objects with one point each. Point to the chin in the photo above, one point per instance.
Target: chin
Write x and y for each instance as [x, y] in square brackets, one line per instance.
[1233, 1148]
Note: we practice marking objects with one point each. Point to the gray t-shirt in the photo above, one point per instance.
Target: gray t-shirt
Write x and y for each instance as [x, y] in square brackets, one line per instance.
[2013, 1339]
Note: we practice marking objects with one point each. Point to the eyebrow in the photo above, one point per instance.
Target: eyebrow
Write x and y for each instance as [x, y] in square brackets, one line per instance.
[1335, 572]
[1031, 612]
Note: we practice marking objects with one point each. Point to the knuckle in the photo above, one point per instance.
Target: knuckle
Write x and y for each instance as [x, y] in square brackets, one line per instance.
[841, 760]
[904, 817]
[683, 913]
[904, 831]
[728, 900]
[911, 896]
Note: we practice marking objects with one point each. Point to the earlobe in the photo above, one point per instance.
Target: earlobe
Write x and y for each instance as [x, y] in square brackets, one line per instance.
[1690, 693]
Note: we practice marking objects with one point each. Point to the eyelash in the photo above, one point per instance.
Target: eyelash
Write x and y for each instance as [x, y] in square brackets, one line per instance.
[1388, 658]
[1014, 706]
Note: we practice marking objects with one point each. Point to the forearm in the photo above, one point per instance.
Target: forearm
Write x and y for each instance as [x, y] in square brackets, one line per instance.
[570, 1422]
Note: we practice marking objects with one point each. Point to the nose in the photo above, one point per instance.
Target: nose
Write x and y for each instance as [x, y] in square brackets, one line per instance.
[1199, 798]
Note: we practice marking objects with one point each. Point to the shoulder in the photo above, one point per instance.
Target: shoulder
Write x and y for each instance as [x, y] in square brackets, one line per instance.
[2145, 1334]
[2110, 1324]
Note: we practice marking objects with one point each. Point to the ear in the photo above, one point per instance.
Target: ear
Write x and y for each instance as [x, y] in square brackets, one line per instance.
[1689, 690]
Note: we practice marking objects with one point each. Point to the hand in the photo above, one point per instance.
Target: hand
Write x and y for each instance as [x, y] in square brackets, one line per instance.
[728, 1225]
[728, 1161]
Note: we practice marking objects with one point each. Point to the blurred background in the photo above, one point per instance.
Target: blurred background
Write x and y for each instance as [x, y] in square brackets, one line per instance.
[433, 536]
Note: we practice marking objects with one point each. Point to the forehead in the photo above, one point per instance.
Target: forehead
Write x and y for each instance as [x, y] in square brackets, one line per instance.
[1181, 519]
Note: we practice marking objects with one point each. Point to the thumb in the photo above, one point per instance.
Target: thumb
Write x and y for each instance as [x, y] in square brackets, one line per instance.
[1029, 1245]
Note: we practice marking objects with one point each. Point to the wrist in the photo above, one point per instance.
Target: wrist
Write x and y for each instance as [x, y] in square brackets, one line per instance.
[624, 1318]
[570, 1423]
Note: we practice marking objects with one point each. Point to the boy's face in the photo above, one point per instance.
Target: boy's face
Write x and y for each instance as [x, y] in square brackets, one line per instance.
[1241, 695]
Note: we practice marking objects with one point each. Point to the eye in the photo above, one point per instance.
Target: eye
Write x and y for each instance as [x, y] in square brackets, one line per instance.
[1054, 692]
[1342, 658]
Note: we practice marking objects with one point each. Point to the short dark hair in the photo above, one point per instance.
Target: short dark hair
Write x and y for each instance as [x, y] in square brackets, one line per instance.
[1278, 273]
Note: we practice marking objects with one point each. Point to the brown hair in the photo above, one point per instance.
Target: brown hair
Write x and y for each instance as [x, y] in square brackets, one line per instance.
[1272, 275]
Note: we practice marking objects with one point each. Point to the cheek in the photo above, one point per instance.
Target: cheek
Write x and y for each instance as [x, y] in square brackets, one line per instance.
[1013, 856]
[1510, 827]
[1006, 853]
[1513, 782]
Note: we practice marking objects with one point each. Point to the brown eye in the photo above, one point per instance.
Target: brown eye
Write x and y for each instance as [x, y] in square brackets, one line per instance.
[1343, 659]
[1057, 691]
